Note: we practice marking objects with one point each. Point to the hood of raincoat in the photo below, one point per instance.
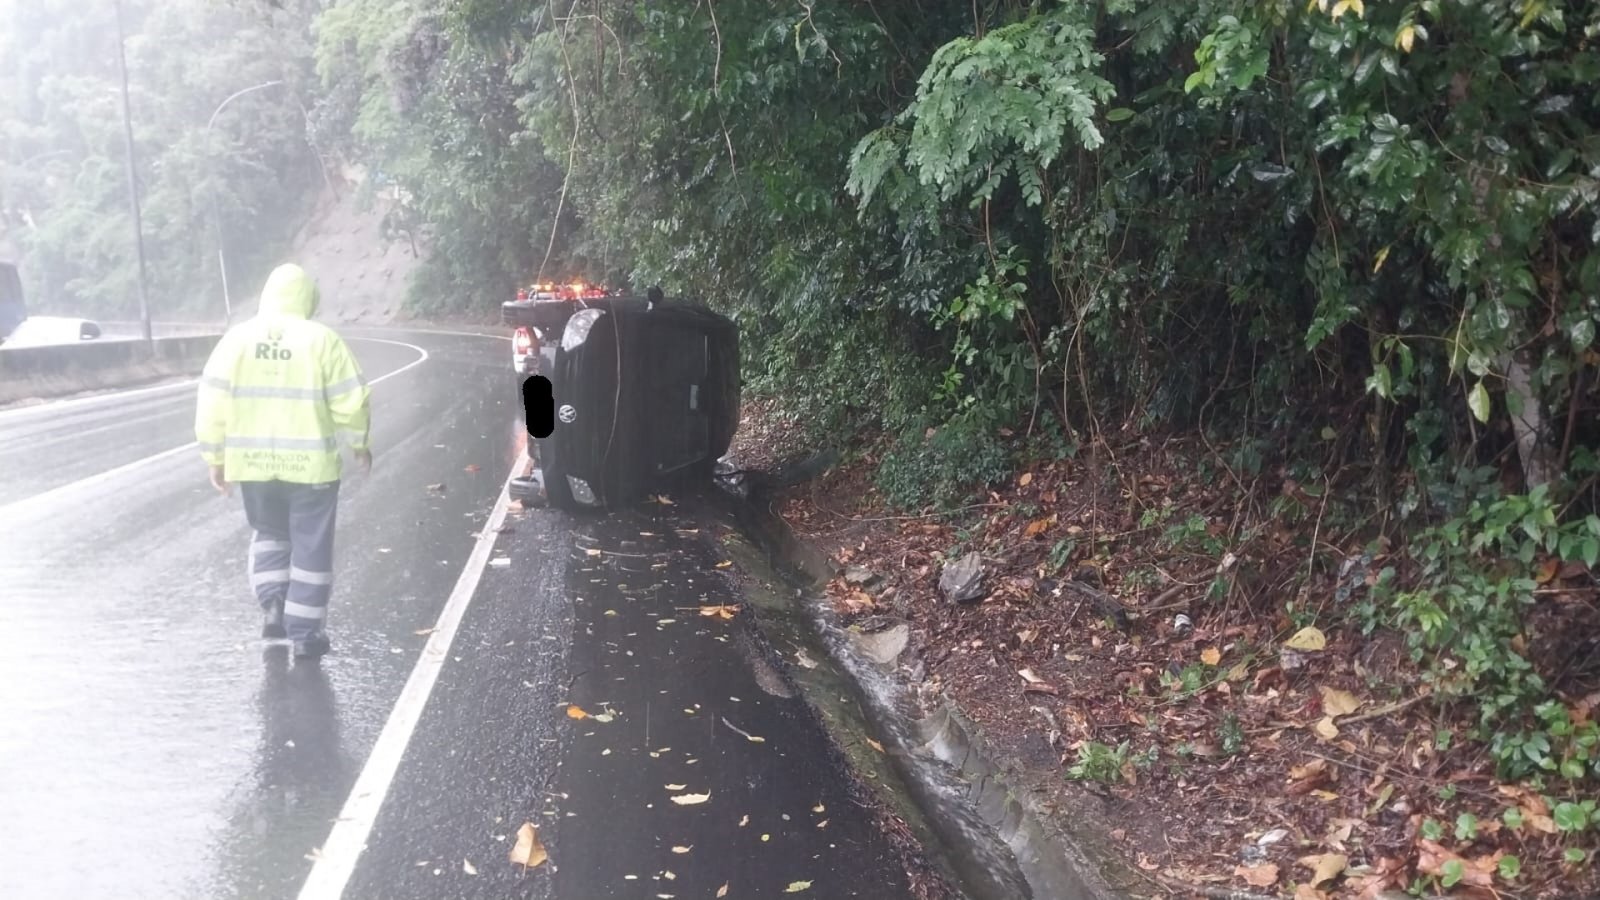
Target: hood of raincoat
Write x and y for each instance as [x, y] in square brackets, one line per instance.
[289, 292]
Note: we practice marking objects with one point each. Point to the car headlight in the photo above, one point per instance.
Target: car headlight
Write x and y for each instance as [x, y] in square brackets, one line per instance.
[578, 328]
[580, 490]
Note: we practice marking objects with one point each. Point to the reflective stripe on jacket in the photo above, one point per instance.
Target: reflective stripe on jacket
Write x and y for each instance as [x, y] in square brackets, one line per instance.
[280, 391]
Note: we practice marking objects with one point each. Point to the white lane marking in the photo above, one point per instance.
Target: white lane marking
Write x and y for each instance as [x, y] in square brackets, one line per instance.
[336, 861]
[30, 503]
[57, 405]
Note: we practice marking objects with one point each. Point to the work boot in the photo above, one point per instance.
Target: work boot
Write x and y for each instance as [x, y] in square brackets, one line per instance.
[313, 647]
[272, 622]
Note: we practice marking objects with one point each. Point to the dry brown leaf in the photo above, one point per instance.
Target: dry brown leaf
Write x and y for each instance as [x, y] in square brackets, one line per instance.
[874, 745]
[723, 891]
[1238, 673]
[1036, 528]
[1211, 656]
[529, 852]
[1307, 892]
[1029, 677]
[725, 564]
[576, 712]
[1265, 875]
[1026, 479]
[1432, 857]
[691, 799]
[1547, 571]
[1315, 767]
[1326, 729]
[722, 611]
[1325, 866]
[1338, 703]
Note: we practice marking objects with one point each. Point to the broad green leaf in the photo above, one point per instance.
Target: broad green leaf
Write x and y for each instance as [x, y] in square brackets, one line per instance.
[1120, 114]
[1478, 402]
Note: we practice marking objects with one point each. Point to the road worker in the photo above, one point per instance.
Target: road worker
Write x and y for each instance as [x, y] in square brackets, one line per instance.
[276, 397]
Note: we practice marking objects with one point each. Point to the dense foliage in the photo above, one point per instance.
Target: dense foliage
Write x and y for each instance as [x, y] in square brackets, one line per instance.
[244, 181]
[1353, 244]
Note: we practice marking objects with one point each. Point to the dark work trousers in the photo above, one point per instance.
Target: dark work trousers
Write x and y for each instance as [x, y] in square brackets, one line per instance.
[291, 551]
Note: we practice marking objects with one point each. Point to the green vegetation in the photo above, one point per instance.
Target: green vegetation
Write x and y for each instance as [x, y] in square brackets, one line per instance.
[63, 181]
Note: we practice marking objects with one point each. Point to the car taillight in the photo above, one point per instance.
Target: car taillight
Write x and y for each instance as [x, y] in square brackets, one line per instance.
[522, 340]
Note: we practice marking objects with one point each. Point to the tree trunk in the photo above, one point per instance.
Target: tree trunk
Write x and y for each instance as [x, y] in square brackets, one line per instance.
[1527, 422]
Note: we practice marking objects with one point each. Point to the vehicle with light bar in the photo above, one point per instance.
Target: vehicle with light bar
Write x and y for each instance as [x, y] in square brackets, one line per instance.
[645, 393]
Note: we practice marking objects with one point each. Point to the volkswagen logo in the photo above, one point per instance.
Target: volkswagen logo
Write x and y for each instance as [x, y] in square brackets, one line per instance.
[567, 413]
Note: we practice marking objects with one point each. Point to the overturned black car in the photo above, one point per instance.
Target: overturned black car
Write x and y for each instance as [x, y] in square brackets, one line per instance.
[644, 393]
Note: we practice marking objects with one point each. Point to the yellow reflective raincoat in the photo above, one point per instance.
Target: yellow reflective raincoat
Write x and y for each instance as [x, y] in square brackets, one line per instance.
[280, 391]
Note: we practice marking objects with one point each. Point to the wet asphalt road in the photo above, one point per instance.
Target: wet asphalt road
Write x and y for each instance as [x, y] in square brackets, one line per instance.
[150, 746]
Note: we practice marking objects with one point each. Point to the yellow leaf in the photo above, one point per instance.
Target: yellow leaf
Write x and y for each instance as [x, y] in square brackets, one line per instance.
[1359, 8]
[1211, 656]
[1036, 527]
[1405, 39]
[529, 852]
[725, 564]
[1340, 8]
[1326, 729]
[576, 712]
[1383, 255]
[724, 611]
[1338, 703]
[1308, 638]
[691, 799]
[723, 891]
[796, 887]
[1026, 479]
[875, 745]
[1325, 867]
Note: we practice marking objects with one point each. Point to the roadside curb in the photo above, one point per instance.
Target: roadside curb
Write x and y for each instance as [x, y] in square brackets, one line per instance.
[1058, 860]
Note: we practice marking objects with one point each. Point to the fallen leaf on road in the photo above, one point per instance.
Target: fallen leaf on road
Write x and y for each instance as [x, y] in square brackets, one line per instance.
[422, 632]
[468, 867]
[1338, 703]
[1265, 875]
[744, 821]
[1211, 656]
[576, 712]
[606, 716]
[725, 564]
[1308, 638]
[796, 887]
[677, 787]
[691, 799]
[529, 852]
[723, 611]
[874, 745]
[1325, 866]
[681, 849]
[1036, 528]
[663, 500]
[723, 891]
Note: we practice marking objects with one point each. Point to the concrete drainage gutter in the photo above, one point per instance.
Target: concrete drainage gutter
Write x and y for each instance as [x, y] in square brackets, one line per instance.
[941, 753]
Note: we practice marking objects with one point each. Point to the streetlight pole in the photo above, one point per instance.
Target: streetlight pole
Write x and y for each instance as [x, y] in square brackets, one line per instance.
[216, 210]
[133, 178]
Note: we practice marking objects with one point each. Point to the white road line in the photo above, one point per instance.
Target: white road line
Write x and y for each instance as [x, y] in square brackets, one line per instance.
[336, 861]
[54, 493]
[476, 334]
[57, 405]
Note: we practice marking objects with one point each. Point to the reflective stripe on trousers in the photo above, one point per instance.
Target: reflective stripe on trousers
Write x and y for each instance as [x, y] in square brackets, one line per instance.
[291, 552]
